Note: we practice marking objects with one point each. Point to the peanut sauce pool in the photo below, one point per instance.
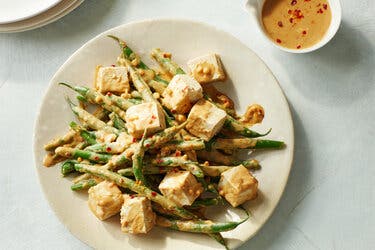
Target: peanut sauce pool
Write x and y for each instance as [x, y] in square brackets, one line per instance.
[296, 24]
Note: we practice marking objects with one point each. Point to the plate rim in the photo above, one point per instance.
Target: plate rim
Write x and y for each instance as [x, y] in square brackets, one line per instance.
[166, 19]
[60, 10]
[40, 11]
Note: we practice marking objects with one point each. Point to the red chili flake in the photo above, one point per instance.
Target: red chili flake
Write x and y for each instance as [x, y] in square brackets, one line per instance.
[298, 14]
[109, 93]
[178, 153]
[291, 20]
[320, 11]
[173, 111]
[153, 117]
[134, 139]
[280, 24]
[319, 5]
[289, 11]
[294, 2]
[159, 160]
[304, 32]
[325, 6]
[96, 158]
[299, 46]
[113, 65]
[153, 193]
[147, 145]
[132, 196]
[108, 149]
[278, 40]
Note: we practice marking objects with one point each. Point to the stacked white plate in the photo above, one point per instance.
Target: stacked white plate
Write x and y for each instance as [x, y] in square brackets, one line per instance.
[22, 15]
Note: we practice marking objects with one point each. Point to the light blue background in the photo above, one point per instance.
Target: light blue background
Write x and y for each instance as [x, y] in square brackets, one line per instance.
[329, 201]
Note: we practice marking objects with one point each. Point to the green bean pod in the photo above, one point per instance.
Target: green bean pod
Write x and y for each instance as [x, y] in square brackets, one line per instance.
[68, 167]
[83, 154]
[84, 184]
[166, 62]
[197, 226]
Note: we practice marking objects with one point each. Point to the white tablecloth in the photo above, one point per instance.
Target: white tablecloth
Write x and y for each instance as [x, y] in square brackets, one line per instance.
[329, 201]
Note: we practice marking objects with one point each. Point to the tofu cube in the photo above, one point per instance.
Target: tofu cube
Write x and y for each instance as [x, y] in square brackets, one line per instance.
[181, 187]
[205, 120]
[105, 200]
[237, 185]
[112, 79]
[207, 68]
[181, 94]
[137, 216]
[146, 115]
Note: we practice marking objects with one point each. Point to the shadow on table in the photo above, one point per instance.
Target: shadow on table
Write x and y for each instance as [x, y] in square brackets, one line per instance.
[347, 58]
[294, 192]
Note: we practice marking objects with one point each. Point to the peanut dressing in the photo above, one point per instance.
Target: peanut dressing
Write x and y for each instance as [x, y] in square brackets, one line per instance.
[296, 24]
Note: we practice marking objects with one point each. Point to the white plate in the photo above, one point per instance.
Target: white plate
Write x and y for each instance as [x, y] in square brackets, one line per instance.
[16, 10]
[250, 82]
[51, 15]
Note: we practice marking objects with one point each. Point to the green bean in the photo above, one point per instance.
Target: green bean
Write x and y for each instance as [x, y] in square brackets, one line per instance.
[206, 202]
[88, 136]
[236, 126]
[217, 157]
[158, 86]
[148, 170]
[137, 159]
[166, 62]
[197, 226]
[91, 120]
[67, 167]
[183, 162]
[164, 136]
[243, 143]
[161, 211]
[84, 184]
[122, 102]
[117, 122]
[57, 142]
[217, 170]
[84, 154]
[182, 145]
[250, 164]
[98, 98]
[135, 187]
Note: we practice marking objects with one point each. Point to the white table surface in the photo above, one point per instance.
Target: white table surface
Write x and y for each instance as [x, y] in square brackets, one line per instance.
[329, 201]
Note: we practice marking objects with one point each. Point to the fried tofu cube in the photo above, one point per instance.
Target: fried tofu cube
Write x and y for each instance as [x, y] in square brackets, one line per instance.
[137, 216]
[105, 200]
[207, 68]
[237, 185]
[181, 187]
[112, 79]
[146, 115]
[181, 94]
[205, 120]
